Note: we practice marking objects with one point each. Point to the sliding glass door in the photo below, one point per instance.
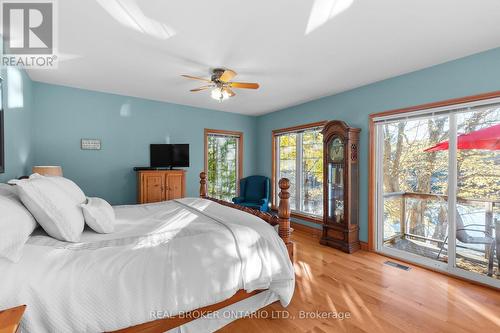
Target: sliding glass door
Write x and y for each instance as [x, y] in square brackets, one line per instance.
[438, 188]
[414, 187]
[478, 191]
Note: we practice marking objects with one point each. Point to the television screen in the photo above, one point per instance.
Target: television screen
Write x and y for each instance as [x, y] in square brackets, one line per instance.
[169, 155]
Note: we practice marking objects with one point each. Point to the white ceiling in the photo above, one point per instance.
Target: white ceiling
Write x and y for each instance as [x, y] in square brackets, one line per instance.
[297, 50]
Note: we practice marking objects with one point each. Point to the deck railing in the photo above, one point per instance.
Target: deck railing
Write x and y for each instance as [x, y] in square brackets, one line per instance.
[490, 223]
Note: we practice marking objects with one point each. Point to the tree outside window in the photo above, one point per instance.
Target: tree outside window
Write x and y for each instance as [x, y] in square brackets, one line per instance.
[299, 157]
[223, 163]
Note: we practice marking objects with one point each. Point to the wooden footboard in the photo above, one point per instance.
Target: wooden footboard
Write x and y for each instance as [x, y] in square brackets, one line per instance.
[283, 218]
[165, 324]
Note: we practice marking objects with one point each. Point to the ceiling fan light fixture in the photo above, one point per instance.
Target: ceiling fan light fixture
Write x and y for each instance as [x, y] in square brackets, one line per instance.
[219, 94]
[221, 84]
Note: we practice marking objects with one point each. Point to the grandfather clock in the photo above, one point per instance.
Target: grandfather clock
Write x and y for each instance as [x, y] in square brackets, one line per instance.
[340, 186]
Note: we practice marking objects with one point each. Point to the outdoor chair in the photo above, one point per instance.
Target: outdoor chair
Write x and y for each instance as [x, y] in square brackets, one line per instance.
[465, 237]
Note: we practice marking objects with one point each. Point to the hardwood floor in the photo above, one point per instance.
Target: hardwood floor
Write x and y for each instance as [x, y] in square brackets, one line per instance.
[379, 298]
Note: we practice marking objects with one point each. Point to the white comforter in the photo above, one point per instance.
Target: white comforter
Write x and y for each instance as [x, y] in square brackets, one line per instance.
[164, 258]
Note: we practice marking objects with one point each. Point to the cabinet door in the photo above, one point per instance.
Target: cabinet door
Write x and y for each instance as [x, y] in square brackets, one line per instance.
[153, 187]
[174, 186]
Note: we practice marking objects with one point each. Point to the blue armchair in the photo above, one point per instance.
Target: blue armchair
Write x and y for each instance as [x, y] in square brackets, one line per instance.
[254, 193]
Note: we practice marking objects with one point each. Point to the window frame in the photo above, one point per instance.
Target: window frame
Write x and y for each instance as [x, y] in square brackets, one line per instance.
[275, 135]
[372, 152]
[239, 136]
[451, 109]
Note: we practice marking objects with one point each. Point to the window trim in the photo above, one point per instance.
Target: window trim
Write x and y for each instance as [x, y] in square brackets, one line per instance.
[237, 134]
[275, 134]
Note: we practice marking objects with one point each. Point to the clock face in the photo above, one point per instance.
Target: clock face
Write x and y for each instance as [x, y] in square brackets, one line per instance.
[336, 150]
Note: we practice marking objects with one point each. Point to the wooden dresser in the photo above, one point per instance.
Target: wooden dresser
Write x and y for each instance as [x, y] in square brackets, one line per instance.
[160, 185]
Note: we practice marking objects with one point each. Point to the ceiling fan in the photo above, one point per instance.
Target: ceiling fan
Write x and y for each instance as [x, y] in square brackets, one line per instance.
[221, 84]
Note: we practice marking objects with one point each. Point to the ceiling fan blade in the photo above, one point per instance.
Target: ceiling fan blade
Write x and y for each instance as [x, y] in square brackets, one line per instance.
[195, 78]
[230, 92]
[202, 88]
[245, 85]
[227, 76]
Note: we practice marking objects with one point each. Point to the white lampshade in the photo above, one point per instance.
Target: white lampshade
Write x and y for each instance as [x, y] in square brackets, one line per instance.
[48, 170]
[220, 94]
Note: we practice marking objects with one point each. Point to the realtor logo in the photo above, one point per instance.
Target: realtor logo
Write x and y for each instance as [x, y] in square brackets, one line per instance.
[28, 29]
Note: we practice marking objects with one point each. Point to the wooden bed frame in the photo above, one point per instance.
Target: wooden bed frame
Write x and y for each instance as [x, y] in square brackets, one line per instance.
[283, 219]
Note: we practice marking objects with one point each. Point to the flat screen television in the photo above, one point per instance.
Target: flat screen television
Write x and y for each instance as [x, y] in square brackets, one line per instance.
[169, 155]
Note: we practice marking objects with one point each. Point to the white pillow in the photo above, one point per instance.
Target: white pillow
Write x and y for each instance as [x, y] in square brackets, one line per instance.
[67, 185]
[8, 191]
[55, 205]
[16, 224]
[99, 215]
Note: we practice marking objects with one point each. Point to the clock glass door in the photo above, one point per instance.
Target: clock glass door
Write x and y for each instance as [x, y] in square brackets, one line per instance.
[336, 180]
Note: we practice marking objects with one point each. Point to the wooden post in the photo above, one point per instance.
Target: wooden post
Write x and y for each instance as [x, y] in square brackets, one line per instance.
[497, 235]
[284, 215]
[488, 224]
[403, 217]
[203, 184]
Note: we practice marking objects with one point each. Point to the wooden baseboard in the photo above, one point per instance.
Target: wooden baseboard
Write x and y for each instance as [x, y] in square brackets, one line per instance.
[317, 233]
[306, 229]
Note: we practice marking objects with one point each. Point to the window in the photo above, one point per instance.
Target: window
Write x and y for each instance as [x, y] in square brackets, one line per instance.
[437, 174]
[223, 162]
[298, 156]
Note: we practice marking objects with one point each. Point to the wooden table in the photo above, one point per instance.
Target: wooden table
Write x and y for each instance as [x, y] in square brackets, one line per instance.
[10, 319]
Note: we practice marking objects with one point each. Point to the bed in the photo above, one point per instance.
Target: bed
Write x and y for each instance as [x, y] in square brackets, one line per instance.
[166, 267]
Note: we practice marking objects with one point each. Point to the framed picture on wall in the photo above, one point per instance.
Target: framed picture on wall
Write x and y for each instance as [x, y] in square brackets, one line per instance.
[2, 143]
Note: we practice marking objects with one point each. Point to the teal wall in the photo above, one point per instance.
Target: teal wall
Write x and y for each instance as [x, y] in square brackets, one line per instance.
[126, 127]
[467, 76]
[18, 115]
[53, 119]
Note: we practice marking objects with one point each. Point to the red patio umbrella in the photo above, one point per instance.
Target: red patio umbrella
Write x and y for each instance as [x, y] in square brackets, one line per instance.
[486, 138]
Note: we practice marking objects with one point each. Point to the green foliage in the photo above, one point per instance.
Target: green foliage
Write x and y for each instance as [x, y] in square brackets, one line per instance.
[222, 167]
[312, 167]
[408, 168]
